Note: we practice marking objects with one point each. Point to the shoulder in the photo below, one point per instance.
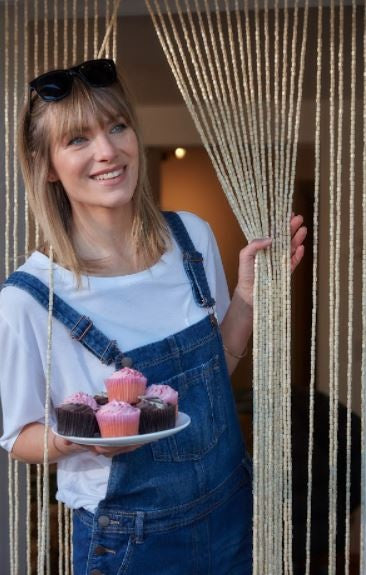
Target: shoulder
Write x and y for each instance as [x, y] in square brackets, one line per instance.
[16, 304]
[17, 309]
[192, 221]
[199, 230]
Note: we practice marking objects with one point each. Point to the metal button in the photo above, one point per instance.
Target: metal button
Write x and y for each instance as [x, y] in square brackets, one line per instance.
[103, 520]
[100, 550]
[96, 572]
[126, 361]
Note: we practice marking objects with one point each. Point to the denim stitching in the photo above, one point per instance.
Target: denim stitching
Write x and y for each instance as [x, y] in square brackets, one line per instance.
[221, 493]
[127, 558]
[76, 327]
[181, 352]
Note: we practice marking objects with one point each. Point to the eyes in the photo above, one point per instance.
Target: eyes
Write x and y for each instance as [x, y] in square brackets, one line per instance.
[115, 129]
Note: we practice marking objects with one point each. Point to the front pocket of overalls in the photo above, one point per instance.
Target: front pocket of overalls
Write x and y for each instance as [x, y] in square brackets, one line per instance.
[201, 397]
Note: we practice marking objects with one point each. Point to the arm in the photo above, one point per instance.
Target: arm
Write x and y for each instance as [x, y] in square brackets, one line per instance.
[29, 445]
[237, 325]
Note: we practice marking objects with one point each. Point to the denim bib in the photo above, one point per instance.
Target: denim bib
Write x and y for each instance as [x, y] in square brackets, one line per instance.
[169, 504]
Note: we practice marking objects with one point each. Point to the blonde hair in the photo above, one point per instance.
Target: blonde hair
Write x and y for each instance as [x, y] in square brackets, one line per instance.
[48, 200]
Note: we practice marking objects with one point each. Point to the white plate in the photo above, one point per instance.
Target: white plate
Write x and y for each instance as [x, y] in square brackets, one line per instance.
[183, 420]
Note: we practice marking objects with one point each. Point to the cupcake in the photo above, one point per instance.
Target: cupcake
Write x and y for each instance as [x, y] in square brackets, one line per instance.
[125, 385]
[118, 418]
[156, 415]
[77, 419]
[163, 392]
[81, 398]
[101, 398]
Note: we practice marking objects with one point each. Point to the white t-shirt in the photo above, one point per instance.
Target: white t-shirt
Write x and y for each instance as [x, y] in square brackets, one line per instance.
[134, 310]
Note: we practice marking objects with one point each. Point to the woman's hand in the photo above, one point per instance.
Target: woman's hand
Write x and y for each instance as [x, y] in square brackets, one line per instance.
[247, 258]
[66, 447]
[112, 451]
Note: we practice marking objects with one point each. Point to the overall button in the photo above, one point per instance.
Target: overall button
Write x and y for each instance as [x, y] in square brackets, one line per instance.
[96, 572]
[103, 521]
[100, 550]
[126, 361]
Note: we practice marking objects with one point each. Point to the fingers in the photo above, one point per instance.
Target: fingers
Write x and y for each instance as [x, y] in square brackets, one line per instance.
[112, 451]
[297, 257]
[295, 223]
[298, 239]
[251, 250]
[298, 235]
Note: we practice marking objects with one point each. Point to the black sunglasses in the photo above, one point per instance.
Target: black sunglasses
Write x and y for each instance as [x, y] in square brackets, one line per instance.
[56, 84]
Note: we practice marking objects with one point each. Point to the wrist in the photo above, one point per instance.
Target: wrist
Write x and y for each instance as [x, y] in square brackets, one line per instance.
[57, 447]
[241, 303]
[234, 354]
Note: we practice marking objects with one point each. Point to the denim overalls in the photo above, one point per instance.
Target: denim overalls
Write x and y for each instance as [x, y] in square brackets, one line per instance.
[181, 505]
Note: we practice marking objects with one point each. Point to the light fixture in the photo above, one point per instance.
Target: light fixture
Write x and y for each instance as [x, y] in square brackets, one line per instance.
[180, 153]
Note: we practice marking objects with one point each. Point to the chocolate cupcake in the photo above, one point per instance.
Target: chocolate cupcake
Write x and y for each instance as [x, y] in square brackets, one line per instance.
[101, 398]
[77, 420]
[163, 392]
[155, 415]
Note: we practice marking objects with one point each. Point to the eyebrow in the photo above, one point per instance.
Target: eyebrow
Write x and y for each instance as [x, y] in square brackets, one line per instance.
[79, 130]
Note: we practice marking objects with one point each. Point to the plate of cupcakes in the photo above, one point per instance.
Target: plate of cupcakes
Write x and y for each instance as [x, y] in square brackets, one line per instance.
[129, 412]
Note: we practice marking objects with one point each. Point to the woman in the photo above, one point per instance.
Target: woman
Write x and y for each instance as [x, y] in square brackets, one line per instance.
[136, 288]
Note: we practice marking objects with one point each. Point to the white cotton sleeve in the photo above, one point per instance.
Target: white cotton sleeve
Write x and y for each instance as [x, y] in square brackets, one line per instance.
[22, 387]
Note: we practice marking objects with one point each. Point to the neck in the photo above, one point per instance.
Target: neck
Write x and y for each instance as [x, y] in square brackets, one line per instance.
[102, 239]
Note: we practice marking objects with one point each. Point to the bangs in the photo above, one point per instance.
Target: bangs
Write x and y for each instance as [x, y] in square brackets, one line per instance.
[72, 115]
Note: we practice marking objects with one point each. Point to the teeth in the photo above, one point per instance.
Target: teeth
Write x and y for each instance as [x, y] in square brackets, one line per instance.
[108, 175]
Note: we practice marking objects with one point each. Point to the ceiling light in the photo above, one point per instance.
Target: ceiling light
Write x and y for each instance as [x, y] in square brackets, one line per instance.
[180, 153]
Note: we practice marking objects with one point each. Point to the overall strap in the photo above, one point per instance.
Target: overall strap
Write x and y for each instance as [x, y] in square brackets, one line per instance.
[81, 327]
[192, 261]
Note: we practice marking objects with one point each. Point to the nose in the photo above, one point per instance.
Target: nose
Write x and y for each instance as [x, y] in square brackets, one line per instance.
[104, 148]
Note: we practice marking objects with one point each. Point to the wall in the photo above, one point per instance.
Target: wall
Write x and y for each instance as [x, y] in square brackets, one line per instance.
[191, 184]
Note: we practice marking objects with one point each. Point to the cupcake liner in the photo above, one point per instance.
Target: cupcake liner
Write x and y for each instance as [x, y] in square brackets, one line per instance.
[125, 390]
[156, 415]
[77, 420]
[118, 418]
[125, 385]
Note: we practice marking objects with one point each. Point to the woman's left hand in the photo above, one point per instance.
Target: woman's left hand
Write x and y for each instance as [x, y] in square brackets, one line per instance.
[247, 256]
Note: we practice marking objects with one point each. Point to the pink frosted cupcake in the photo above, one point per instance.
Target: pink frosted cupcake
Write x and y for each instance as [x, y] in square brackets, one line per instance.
[81, 398]
[118, 418]
[125, 385]
[163, 392]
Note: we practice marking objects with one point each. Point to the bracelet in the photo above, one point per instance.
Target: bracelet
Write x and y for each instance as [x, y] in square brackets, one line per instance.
[234, 354]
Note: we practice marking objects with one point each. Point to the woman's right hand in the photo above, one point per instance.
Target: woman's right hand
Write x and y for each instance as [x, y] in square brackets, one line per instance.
[66, 447]
[29, 446]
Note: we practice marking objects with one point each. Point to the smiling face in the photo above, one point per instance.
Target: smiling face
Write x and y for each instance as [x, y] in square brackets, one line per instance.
[97, 165]
[83, 162]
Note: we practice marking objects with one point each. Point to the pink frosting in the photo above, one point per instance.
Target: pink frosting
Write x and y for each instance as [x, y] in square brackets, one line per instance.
[128, 373]
[117, 407]
[82, 398]
[164, 392]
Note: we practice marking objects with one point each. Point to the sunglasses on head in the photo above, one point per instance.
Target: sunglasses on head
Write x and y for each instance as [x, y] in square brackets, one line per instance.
[56, 84]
